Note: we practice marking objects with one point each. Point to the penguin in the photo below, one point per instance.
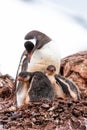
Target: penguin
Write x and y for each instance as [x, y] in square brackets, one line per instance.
[44, 53]
[50, 73]
[63, 87]
[22, 90]
[36, 87]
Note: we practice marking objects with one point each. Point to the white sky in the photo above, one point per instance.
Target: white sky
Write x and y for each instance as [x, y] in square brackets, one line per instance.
[55, 19]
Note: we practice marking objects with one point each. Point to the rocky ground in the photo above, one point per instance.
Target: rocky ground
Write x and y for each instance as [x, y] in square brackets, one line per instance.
[58, 115]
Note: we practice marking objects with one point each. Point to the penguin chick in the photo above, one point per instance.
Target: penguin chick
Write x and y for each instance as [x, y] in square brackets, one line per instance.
[44, 52]
[71, 89]
[50, 73]
[38, 87]
[22, 90]
[63, 87]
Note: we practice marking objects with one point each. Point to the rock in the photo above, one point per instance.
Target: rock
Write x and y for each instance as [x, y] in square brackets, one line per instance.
[74, 67]
[5, 92]
[6, 86]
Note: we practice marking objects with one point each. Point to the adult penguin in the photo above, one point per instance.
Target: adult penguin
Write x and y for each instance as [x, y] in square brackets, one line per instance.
[42, 54]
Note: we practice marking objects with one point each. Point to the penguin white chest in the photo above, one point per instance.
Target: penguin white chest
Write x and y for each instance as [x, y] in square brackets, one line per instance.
[47, 55]
[21, 95]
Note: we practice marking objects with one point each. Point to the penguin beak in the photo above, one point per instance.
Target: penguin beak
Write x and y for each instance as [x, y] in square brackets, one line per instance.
[30, 56]
[19, 78]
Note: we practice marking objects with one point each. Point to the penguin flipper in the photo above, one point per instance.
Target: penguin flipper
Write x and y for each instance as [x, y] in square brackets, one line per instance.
[62, 84]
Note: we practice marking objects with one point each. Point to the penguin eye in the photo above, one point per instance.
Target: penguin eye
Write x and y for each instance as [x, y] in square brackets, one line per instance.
[51, 70]
[24, 76]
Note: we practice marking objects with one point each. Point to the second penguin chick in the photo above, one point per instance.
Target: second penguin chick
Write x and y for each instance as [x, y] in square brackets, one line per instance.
[50, 73]
[39, 87]
[63, 86]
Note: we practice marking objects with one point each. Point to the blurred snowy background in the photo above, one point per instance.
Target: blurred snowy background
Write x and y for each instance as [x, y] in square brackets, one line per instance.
[65, 21]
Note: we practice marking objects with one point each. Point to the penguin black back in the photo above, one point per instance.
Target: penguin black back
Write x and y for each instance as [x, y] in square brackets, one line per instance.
[40, 88]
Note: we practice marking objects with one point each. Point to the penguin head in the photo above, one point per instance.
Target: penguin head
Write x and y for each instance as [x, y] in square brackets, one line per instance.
[41, 39]
[24, 76]
[29, 46]
[51, 69]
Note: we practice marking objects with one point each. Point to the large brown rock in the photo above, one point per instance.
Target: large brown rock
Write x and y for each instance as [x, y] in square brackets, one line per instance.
[6, 86]
[74, 67]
